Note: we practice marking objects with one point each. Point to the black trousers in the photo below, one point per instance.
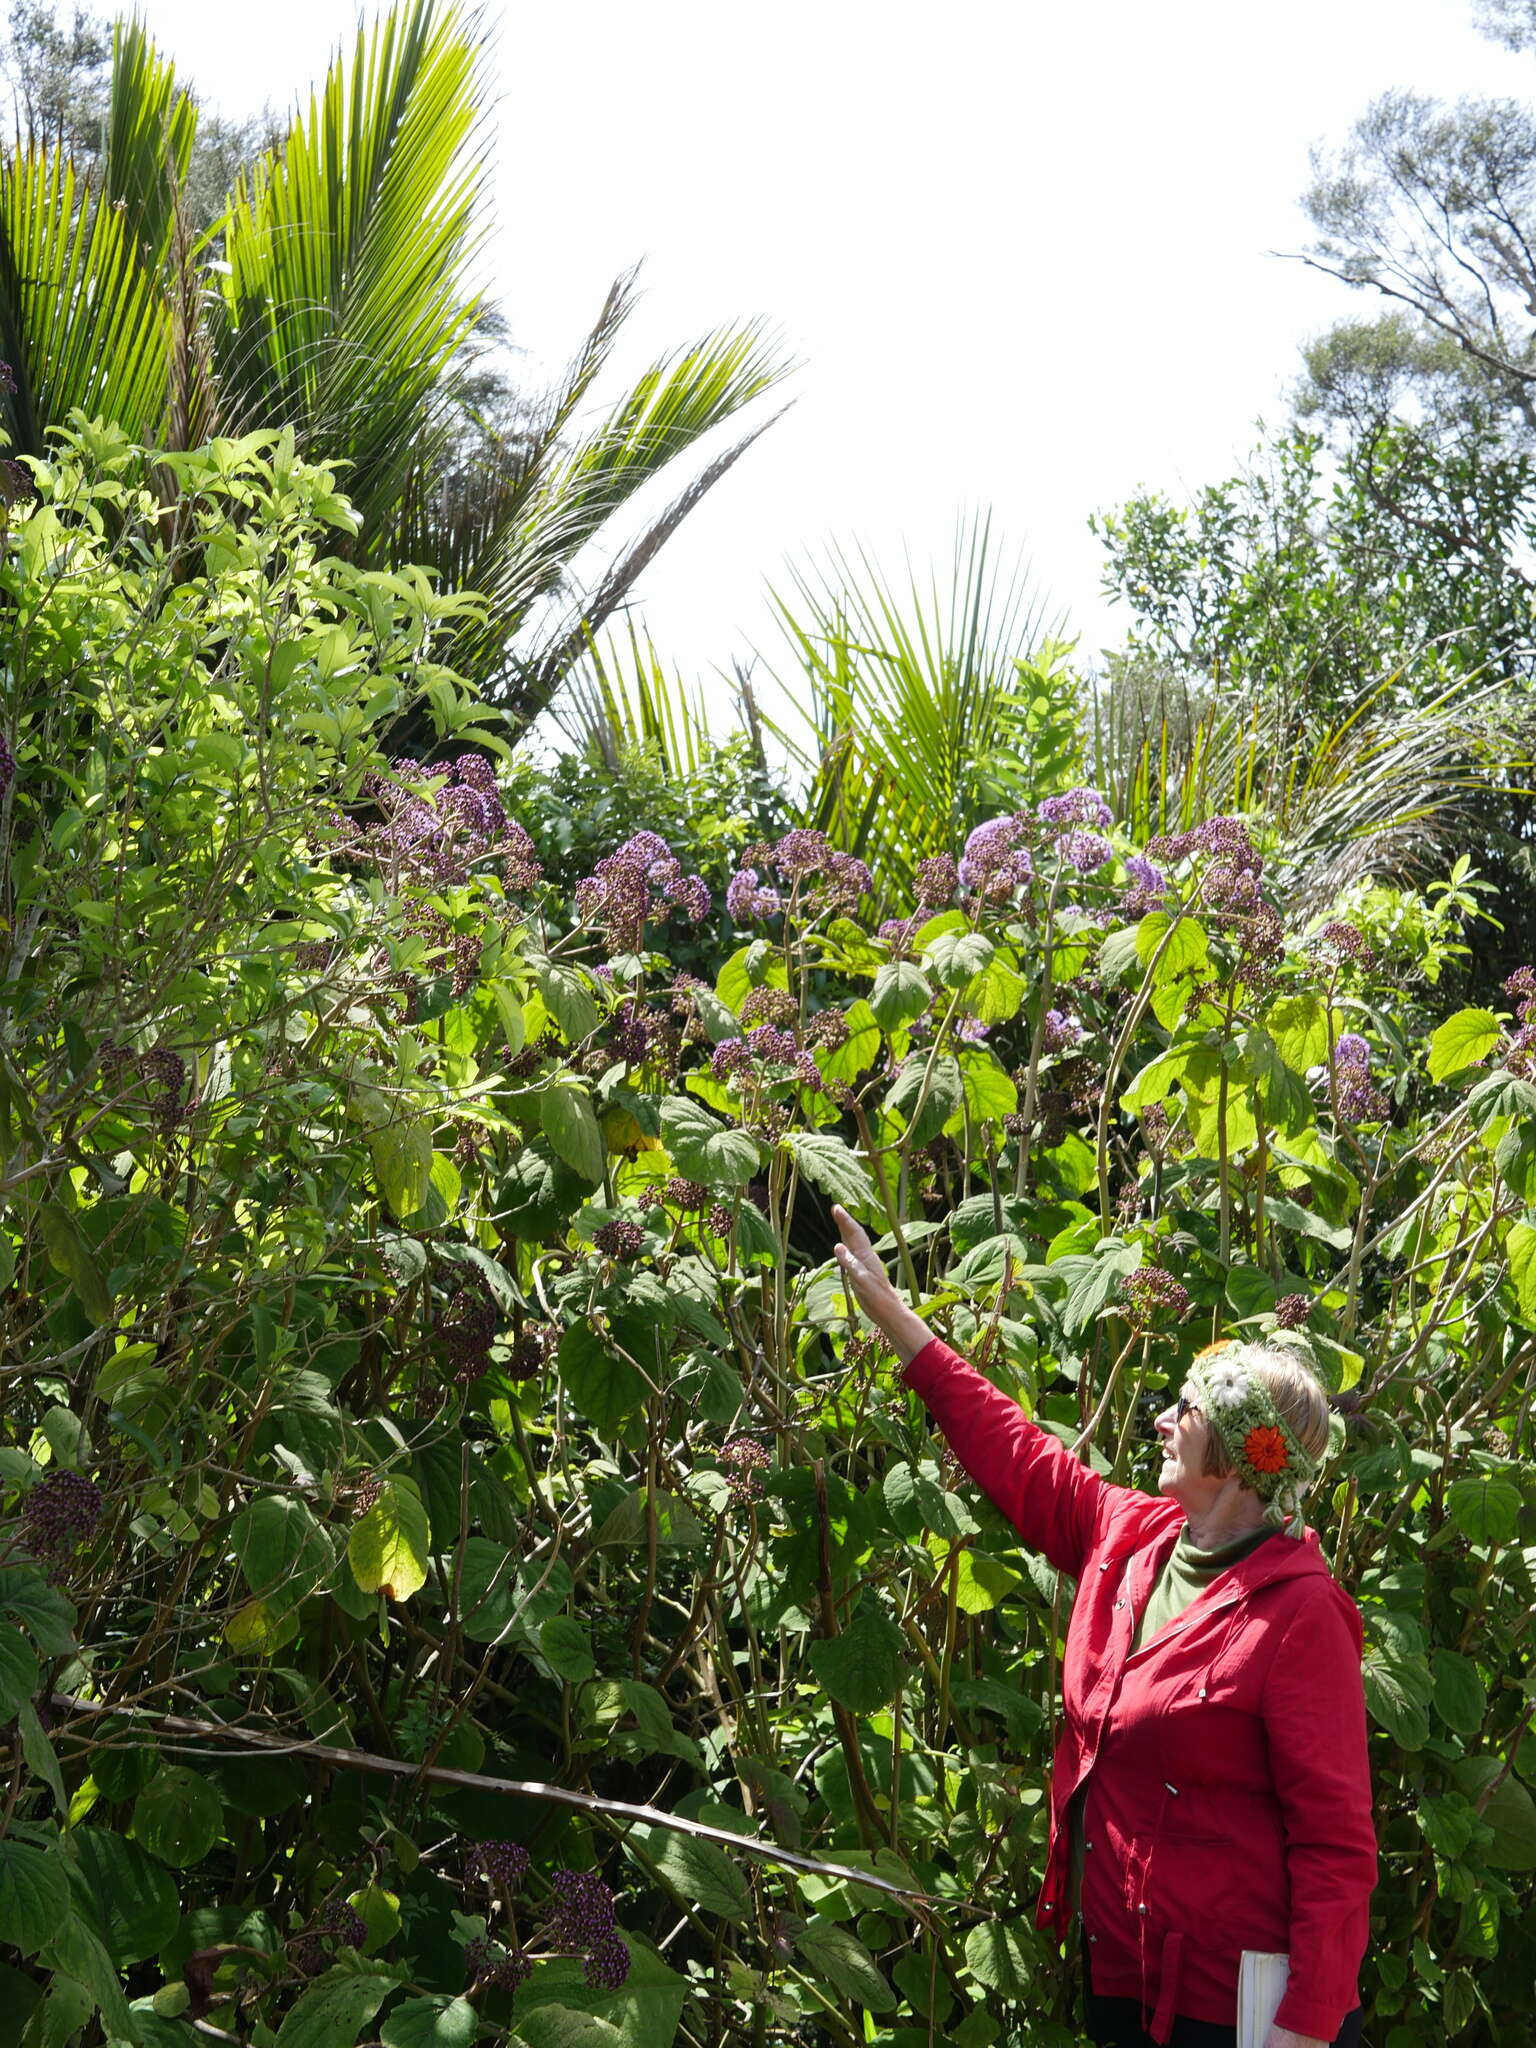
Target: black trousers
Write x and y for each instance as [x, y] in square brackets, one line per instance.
[1116, 2023]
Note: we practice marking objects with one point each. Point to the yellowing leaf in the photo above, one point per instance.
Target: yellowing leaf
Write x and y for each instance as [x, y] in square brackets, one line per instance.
[388, 1549]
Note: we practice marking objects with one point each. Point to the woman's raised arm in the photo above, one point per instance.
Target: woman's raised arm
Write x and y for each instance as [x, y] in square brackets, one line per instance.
[1050, 1498]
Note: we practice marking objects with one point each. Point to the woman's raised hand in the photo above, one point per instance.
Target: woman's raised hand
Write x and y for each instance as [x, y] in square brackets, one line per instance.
[870, 1286]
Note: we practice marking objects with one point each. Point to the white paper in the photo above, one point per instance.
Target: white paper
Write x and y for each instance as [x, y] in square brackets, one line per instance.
[1261, 1983]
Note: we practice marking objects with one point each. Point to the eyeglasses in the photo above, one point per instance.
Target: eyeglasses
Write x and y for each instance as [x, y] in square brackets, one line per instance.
[1185, 1407]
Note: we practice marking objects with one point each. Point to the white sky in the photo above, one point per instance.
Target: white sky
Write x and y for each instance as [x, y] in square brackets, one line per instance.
[1020, 247]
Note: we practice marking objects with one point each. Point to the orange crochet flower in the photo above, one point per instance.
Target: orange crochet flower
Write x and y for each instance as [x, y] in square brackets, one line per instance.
[1264, 1448]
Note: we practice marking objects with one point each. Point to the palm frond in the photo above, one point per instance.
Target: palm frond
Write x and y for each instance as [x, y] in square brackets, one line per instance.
[346, 247]
[82, 320]
[150, 131]
[1390, 788]
[919, 710]
[511, 526]
[622, 697]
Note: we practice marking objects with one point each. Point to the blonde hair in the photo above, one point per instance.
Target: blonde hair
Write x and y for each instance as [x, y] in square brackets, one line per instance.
[1297, 1393]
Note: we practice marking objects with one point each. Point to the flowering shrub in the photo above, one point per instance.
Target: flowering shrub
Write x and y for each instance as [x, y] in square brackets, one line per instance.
[466, 1575]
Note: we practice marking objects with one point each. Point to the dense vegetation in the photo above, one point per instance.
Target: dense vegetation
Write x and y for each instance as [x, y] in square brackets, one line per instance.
[434, 1429]
[466, 1575]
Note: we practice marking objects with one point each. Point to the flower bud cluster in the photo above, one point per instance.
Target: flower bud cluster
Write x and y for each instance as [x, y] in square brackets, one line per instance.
[1146, 888]
[746, 1458]
[1345, 942]
[1292, 1311]
[59, 1514]
[1061, 1032]
[935, 881]
[639, 883]
[620, 1239]
[503, 1865]
[487, 1962]
[1152, 1290]
[809, 868]
[995, 861]
[764, 1045]
[1359, 1100]
[531, 1350]
[466, 1328]
[437, 839]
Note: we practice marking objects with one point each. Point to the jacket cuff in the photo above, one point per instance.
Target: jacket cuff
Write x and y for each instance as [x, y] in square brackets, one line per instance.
[1298, 2013]
[927, 1366]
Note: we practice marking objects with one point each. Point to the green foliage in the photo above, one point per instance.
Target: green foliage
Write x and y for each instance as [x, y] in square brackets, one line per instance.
[326, 291]
[432, 1416]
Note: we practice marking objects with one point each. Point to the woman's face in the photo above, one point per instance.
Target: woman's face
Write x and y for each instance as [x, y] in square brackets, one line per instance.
[1184, 1432]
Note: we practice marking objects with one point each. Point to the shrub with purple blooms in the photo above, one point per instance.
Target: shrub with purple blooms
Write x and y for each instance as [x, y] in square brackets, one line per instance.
[448, 1502]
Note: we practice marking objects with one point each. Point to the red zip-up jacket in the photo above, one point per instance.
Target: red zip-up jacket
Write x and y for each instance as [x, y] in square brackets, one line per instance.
[1228, 1802]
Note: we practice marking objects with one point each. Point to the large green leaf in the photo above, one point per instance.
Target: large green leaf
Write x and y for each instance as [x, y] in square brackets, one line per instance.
[389, 1547]
[827, 1163]
[645, 2011]
[863, 1665]
[34, 1895]
[699, 1871]
[1510, 1811]
[901, 992]
[719, 1155]
[178, 1816]
[570, 1125]
[281, 1550]
[838, 1955]
[19, 1672]
[1464, 1040]
[333, 2012]
[129, 1896]
[925, 1095]
[604, 1387]
[438, 2020]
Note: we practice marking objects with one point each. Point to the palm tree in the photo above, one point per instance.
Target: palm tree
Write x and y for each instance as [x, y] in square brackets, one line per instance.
[328, 295]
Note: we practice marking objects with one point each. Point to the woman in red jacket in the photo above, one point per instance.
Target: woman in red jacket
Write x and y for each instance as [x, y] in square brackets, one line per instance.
[1210, 1791]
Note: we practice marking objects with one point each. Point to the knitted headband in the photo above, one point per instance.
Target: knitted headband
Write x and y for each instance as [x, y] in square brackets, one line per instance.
[1266, 1455]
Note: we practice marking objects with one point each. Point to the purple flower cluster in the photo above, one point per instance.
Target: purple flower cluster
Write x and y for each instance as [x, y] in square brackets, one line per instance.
[1085, 851]
[747, 1459]
[1231, 878]
[1146, 888]
[607, 1965]
[487, 1962]
[768, 1006]
[995, 861]
[1520, 1052]
[619, 1239]
[437, 840]
[1075, 807]
[579, 1915]
[466, 1328]
[766, 1045]
[1061, 1032]
[58, 1515]
[935, 881]
[1359, 1100]
[1151, 1290]
[7, 765]
[338, 1924]
[532, 1350]
[503, 1865]
[1345, 942]
[639, 882]
[808, 867]
[747, 899]
[1292, 1311]
[631, 1036]
[896, 931]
